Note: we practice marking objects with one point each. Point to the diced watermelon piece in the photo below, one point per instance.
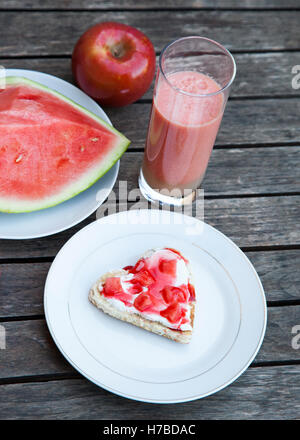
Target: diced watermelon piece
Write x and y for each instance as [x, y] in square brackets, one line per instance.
[168, 267]
[192, 292]
[135, 288]
[173, 294]
[142, 302]
[112, 286]
[139, 265]
[173, 313]
[128, 268]
[144, 278]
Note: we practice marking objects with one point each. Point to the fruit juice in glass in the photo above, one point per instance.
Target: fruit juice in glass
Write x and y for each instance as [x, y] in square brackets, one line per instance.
[190, 95]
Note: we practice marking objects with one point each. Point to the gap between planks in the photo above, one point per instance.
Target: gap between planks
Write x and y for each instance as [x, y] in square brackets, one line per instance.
[235, 145]
[157, 53]
[159, 9]
[50, 259]
[19, 318]
[70, 376]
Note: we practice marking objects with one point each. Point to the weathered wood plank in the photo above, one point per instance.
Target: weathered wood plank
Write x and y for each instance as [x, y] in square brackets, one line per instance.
[250, 122]
[22, 289]
[260, 393]
[148, 4]
[277, 345]
[279, 273]
[54, 34]
[40, 247]
[253, 221]
[273, 223]
[30, 350]
[250, 81]
[268, 74]
[22, 285]
[235, 171]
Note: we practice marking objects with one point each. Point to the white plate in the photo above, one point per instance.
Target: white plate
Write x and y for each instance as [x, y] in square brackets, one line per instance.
[52, 220]
[230, 315]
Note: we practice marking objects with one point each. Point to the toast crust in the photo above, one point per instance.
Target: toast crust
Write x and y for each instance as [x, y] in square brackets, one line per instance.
[99, 300]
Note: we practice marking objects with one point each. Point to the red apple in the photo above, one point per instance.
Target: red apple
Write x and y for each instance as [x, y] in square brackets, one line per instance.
[114, 63]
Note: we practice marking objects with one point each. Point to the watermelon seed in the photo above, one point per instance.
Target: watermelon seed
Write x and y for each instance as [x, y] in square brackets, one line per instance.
[82, 148]
[95, 139]
[19, 158]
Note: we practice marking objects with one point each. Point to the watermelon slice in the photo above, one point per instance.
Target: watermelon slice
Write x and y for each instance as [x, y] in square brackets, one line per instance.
[51, 148]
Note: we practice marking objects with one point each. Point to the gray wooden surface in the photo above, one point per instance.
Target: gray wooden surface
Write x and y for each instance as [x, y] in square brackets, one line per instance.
[260, 393]
[240, 31]
[276, 66]
[146, 4]
[252, 194]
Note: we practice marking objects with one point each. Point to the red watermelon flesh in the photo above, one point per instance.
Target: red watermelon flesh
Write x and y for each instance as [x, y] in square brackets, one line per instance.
[50, 147]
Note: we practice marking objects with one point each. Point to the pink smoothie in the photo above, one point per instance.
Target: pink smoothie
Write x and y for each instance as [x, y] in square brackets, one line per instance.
[182, 131]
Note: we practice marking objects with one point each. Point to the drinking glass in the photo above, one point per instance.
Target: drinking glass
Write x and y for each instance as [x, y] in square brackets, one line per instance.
[191, 90]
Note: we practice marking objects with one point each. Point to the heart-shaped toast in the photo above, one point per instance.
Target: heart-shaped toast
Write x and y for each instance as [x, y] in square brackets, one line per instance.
[156, 294]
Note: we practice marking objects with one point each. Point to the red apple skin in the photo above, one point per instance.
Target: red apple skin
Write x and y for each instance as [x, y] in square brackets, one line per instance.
[114, 63]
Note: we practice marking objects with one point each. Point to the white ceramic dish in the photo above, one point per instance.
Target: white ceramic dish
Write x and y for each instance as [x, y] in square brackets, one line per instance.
[52, 220]
[230, 318]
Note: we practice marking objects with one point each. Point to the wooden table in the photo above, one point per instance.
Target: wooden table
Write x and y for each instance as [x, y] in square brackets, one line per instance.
[252, 195]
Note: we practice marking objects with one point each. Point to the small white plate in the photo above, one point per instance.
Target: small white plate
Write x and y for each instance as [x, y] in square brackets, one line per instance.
[65, 215]
[230, 315]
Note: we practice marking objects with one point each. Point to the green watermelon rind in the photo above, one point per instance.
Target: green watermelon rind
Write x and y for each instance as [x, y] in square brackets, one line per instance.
[8, 205]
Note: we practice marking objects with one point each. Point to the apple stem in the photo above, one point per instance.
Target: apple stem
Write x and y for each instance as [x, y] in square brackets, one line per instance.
[117, 50]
